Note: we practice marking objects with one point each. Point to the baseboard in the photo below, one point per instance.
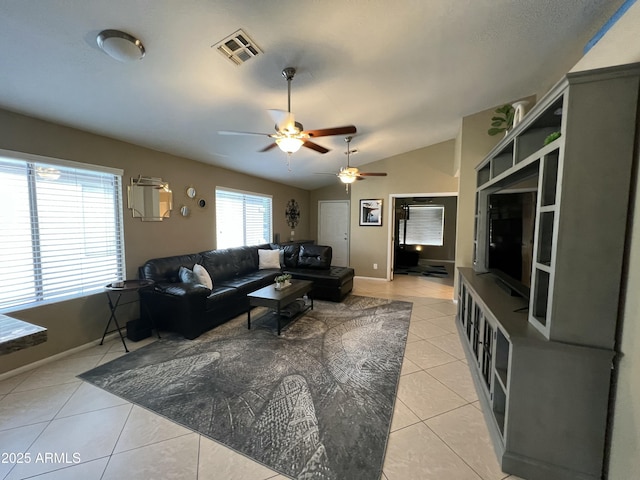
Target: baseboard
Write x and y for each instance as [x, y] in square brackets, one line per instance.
[53, 358]
[534, 469]
[370, 278]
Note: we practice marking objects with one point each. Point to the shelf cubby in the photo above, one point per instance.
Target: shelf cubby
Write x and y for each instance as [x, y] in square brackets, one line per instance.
[501, 163]
[502, 357]
[484, 174]
[499, 405]
[468, 315]
[545, 237]
[487, 354]
[531, 141]
[475, 331]
[549, 179]
[540, 298]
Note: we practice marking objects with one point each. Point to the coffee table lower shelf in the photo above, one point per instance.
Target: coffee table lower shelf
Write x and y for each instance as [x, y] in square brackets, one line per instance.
[284, 304]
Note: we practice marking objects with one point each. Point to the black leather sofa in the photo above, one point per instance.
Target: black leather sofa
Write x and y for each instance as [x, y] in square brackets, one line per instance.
[191, 308]
[313, 262]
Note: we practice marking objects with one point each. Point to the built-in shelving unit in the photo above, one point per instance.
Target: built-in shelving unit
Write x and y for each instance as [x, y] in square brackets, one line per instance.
[542, 364]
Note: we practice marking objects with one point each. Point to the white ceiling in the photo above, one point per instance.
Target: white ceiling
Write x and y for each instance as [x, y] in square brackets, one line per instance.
[404, 72]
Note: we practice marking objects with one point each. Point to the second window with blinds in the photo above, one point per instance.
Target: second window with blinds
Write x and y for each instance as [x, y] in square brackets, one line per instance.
[242, 218]
[423, 225]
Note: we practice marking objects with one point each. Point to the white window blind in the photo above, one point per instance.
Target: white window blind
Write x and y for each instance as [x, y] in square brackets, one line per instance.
[242, 218]
[424, 225]
[60, 232]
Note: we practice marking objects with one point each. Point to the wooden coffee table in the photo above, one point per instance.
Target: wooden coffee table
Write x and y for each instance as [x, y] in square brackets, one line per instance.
[279, 300]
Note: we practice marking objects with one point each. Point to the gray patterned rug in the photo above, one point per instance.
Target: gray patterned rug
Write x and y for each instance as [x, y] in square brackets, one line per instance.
[315, 403]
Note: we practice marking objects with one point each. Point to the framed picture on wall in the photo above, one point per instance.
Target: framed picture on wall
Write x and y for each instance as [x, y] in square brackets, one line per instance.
[371, 212]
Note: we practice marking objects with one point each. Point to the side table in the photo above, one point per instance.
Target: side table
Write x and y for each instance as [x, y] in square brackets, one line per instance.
[115, 291]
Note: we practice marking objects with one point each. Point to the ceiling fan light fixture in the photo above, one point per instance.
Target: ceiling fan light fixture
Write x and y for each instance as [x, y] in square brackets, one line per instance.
[346, 177]
[289, 144]
[120, 45]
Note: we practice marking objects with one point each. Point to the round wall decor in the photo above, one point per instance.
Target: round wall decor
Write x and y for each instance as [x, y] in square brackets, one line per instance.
[292, 213]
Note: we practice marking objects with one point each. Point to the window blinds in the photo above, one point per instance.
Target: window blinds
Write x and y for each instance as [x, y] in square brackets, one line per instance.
[60, 232]
[242, 218]
[424, 226]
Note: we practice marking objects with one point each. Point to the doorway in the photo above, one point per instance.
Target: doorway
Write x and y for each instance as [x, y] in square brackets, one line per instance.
[333, 229]
[422, 233]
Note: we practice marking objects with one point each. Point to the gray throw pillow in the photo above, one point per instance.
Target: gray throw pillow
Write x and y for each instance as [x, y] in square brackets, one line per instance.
[187, 276]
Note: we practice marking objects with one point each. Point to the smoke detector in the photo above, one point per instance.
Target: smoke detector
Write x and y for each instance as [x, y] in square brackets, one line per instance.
[238, 48]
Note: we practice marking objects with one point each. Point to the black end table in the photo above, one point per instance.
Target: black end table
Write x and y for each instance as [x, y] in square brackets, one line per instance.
[117, 290]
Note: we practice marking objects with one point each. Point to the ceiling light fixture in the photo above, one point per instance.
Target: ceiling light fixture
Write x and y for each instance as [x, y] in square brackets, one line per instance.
[346, 177]
[289, 144]
[120, 45]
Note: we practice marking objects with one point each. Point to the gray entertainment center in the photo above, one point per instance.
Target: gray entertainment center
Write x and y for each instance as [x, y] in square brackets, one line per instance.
[540, 331]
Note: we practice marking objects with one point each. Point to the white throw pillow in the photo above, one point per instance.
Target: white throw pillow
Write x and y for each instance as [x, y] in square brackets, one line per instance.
[268, 259]
[203, 276]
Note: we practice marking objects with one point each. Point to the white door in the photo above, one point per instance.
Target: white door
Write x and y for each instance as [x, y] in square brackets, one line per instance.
[333, 229]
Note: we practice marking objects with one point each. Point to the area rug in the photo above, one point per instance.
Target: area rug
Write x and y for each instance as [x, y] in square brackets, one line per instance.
[313, 403]
[428, 270]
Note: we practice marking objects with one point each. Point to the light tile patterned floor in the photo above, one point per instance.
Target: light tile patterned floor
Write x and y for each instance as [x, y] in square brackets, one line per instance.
[438, 432]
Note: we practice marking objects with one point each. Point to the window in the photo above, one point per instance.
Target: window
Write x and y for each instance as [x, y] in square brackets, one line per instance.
[242, 218]
[424, 225]
[60, 231]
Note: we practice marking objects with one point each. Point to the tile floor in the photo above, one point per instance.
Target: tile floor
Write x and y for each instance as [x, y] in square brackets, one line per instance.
[72, 430]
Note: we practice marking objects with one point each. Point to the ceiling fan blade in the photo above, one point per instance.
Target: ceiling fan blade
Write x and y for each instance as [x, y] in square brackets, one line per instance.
[285, 121]
[315, 146]
[372, 174]
[325, 132]
[360, 178]
[227, 132]
[269, 147]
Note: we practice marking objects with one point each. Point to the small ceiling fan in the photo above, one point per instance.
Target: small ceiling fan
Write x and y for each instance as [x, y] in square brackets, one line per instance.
[349, 174]
[290, 135]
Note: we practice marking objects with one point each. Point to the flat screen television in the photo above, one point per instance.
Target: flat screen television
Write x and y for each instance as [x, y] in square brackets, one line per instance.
[510, 243]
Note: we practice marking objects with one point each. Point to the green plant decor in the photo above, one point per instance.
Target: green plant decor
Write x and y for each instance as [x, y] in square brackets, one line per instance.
[550, 138]
[503, 120]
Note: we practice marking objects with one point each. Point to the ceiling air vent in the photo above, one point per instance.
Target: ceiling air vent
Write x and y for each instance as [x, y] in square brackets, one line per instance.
[238, 48]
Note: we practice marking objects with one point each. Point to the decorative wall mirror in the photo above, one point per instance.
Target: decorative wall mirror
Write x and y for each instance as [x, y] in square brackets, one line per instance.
[149, 199]
[185, 211]
[191, 192]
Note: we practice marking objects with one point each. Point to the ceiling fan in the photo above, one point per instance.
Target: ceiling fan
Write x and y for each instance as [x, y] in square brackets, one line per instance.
[349, 174]
[290, 135]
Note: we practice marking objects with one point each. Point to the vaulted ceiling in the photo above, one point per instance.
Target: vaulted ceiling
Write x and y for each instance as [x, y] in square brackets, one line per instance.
[403, 72]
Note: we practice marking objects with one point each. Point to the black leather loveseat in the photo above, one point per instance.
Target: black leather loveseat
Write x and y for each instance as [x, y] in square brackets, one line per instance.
[191, 308]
